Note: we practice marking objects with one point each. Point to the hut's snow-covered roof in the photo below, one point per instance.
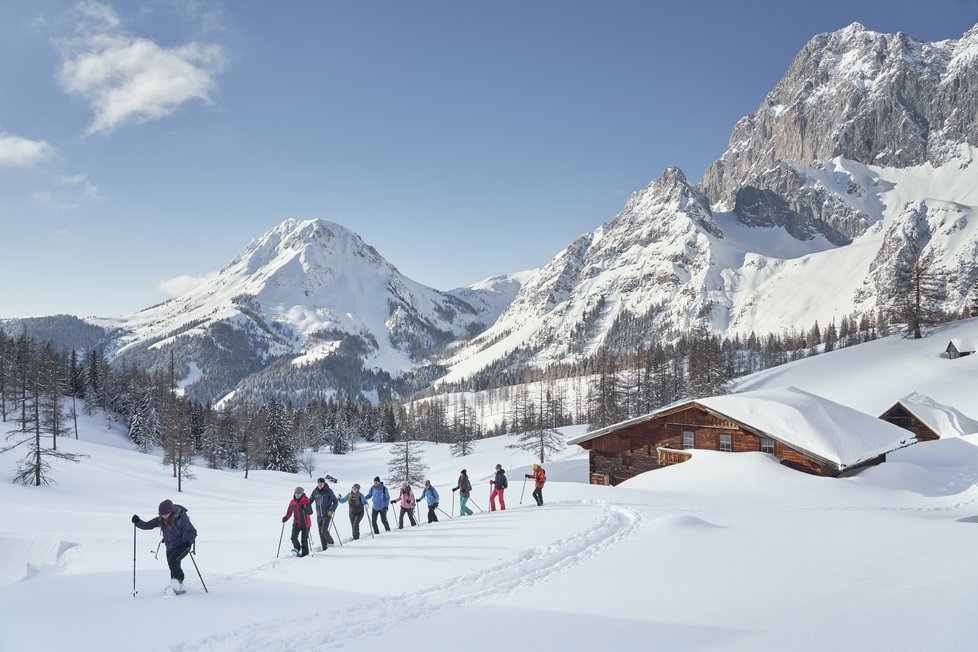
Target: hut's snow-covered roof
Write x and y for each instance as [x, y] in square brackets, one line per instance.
[804, 421]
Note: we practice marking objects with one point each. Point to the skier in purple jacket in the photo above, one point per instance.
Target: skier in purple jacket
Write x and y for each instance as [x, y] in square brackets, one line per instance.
[179, 535]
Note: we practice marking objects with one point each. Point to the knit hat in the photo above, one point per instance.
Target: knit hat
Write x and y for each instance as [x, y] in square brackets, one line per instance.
[427, 483]
[499, 466]
[377, 479]
[166, 508]
[300, 490]
[321, 480]
[357, 487]
[464, 472]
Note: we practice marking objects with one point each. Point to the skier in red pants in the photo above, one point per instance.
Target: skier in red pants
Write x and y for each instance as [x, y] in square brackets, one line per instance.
[499, 485]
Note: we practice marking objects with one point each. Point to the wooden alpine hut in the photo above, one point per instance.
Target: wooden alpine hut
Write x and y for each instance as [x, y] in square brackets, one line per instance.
[927, 419]
[804, 431]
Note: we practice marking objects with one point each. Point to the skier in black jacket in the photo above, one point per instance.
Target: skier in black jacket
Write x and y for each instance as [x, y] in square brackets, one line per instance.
[326, 503]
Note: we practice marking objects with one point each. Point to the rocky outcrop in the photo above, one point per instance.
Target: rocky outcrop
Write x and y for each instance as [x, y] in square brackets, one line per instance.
[881, 99]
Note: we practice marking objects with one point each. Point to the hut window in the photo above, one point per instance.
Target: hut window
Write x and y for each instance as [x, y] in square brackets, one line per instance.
[767, 445]
[726, 443]
[689, 439]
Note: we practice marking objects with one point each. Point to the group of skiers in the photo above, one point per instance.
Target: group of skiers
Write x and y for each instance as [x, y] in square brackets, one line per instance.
[179, 534]
[378, 498]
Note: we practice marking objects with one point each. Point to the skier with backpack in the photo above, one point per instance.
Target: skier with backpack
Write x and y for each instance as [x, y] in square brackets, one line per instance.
[406, 499]
[380, 500]
[431, 494]
[358, 506]
[539, 477]
[301, 513]
[464, 489]
[499, 485]
[325, 500]
[179, 535]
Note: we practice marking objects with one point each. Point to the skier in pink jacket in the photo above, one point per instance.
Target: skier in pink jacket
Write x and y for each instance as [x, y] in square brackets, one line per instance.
[406, 499]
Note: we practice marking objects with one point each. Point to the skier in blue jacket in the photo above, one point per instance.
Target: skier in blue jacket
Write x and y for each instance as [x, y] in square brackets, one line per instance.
[379, 499]
[431, 494]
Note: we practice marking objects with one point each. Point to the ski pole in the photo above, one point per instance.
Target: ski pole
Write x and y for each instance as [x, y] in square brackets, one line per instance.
[370, 521]
[446, 513]
[453, 501]
[475, 503]
[524, 490]
[280, 540]
[337, 530]
[491, 487]
[134, 591]
[198, 571]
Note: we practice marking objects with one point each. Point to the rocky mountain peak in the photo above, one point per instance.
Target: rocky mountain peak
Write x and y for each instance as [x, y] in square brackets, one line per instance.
[668, 195]
[881, 99]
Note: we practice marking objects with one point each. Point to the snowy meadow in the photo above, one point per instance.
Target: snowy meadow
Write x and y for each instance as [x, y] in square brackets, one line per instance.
[729, 551]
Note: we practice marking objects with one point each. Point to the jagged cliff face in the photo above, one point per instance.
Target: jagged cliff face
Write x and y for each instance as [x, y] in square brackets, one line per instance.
[879, 99]
[862, 153]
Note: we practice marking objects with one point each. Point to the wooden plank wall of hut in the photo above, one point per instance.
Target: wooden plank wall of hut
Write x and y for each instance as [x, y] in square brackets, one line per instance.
[899, 416]
[625, 453]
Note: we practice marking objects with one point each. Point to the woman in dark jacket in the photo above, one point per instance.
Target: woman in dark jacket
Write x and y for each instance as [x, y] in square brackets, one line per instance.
[499, 485]
[358, 507]
[464, 489]
[179, 536]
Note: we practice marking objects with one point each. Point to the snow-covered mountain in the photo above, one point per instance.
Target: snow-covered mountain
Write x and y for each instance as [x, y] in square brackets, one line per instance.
[861, 156]
[304, 292]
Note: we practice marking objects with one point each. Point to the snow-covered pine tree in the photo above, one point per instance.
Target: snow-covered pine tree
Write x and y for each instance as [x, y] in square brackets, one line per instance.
[389, 430]
[228, 438]
[280, 452]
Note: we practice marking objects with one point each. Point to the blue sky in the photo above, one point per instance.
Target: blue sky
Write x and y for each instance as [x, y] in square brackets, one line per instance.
[143, 145]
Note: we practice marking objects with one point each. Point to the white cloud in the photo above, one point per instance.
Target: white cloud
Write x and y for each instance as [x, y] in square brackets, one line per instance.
[88, 190]
[47, 199]
[95, 15]
[178, 285]
[23, 153]
[127, 79]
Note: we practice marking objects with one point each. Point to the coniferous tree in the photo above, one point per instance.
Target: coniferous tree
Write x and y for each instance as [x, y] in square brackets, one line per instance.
[463, 431]
[405, 463]
[543, 443]
[390, 432]
[53, 387]
[919, 291]
[280, 452]
[178, 444]
[28, 385]
[6, 369]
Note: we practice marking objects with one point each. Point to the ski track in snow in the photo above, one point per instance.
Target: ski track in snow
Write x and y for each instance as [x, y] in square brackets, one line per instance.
[526, 569]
